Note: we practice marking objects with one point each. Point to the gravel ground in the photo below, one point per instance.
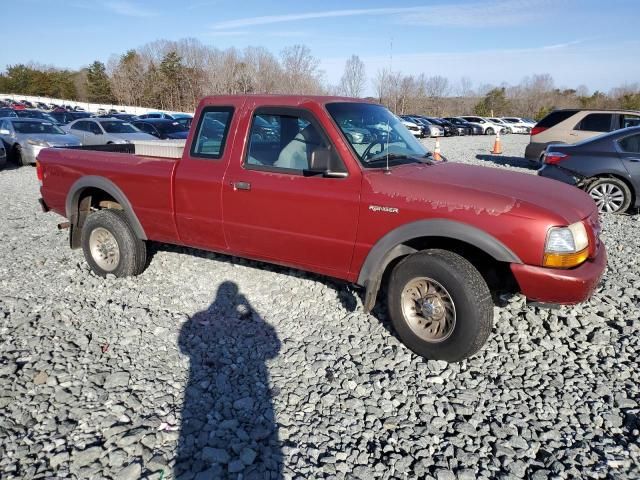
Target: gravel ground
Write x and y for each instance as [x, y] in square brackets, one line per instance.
[211, 367]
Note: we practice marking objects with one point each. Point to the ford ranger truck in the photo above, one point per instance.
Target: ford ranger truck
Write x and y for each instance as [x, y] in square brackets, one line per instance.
[338, 187]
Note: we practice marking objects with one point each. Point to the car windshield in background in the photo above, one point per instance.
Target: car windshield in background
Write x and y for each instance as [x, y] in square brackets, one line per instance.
[118, 127]
[170, 127]
[37, 128]
[375, 134]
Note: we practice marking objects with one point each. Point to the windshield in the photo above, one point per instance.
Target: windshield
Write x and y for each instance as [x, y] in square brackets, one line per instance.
[375, 134]
[37, 128]
[170, 127]
[118, 127]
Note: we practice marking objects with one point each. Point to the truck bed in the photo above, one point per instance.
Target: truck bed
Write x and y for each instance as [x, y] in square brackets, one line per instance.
[144, 180]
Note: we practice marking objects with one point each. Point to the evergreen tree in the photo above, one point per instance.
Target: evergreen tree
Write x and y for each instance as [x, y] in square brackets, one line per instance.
[98, 85]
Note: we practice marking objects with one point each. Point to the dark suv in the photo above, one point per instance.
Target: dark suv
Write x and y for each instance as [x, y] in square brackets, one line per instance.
[574, 125]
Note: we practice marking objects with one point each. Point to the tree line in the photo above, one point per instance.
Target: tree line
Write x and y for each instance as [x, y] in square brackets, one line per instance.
[174, 75]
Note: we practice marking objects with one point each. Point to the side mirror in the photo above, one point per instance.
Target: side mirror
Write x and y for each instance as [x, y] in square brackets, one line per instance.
[323, 160]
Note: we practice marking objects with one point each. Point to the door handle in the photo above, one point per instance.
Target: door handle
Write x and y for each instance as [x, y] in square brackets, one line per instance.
[241, 186]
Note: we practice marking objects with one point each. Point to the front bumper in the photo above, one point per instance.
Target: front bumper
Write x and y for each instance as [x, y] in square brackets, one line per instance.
[551, 285]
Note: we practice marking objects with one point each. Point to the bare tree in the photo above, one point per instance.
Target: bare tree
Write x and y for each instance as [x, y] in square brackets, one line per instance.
[301, 73]
[354, 77]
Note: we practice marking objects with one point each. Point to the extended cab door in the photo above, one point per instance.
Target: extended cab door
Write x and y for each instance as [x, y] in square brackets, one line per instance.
[199, 176]
[278, 205]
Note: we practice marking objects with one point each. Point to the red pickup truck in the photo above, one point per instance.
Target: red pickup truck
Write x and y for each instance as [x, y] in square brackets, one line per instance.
[339, 187]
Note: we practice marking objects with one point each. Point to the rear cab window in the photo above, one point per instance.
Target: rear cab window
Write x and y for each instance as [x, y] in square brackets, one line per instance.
[211, 132]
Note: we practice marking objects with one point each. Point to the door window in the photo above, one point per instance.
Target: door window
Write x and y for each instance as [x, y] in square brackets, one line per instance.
[595, 122]
[290, 142]
[627, 120]
[213, 128]
[630, 144]
[94, 128]
[82, 126]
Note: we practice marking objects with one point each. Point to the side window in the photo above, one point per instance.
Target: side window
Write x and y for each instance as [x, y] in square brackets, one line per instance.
[213, 127]
[289, 142]
[94, 128]
[627, 120]
[630, 144]
[142, 126]
[82, 126]
[595, 122]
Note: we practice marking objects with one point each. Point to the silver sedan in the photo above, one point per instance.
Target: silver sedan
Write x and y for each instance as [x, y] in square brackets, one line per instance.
[103, 131]
[23, 138]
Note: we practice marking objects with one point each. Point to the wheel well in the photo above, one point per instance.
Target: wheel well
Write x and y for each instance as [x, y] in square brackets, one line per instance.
[89, 199]
[497, 274]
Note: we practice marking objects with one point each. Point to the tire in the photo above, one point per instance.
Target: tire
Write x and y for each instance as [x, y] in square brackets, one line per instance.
[611, 195]
[489, 131]
[469, 299]
[18, 159]
[106, 228]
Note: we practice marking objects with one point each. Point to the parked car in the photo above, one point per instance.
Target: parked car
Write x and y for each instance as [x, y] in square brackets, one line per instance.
[424, 127]
[150, 115]
[104, 131]
[63, 117]
[525, 123]
[461, 123]
[23, 138]
[32, 113]
[162, 128]
[42, 106]
[127, 117]
[440, 236]
[183, 119]
[448, 128]
[607, 167]
[510, 127]
[7, 112]
[3, 155]
[488, 128]
[27, 104]
[573, 125]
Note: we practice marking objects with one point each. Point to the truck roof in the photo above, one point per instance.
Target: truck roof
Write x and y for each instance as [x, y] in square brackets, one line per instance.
[288, 99]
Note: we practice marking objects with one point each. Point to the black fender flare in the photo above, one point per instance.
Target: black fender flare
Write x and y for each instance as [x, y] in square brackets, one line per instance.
[391, 246]
[102, 183]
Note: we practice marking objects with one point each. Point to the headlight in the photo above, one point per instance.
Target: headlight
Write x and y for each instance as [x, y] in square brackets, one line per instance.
[39, 143]
[566, 247]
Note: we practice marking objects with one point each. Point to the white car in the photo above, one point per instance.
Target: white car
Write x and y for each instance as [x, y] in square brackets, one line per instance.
[488, 127]
[415, 130]
[512, 128]
[525, 123]
[103, 131]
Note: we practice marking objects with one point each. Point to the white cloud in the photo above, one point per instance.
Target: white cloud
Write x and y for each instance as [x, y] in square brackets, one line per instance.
[488, 14]
[129, 9]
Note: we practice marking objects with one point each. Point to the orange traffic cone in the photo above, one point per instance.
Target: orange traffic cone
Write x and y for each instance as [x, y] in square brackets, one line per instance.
[436, 150]
[497, 147]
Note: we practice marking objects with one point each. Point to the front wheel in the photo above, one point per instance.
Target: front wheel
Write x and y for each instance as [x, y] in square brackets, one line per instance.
[440, 306]
[489, 131]
[610, 194]
[110, 246]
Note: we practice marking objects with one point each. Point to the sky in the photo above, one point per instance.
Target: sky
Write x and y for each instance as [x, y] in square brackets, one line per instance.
[578, 42]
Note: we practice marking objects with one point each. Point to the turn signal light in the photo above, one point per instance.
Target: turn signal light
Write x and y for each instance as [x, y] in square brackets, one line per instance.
[565, 260]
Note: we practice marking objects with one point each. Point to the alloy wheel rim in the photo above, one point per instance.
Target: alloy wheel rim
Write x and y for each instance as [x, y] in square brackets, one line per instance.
[428, 309]
[104, 249]
[608, 197]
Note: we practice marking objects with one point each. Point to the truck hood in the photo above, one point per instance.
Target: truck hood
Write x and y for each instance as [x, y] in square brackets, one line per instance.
[454, 186]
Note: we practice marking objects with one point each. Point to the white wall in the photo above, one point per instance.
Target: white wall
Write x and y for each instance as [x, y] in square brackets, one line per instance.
[89, 107]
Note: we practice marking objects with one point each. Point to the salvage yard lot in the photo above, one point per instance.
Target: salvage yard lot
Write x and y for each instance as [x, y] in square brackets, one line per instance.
[231, 366]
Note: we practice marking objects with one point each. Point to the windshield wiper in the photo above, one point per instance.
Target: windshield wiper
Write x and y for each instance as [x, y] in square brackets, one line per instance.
[399, 156]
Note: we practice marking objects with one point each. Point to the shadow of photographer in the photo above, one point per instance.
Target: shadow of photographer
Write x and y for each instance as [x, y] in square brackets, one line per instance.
[228, 428]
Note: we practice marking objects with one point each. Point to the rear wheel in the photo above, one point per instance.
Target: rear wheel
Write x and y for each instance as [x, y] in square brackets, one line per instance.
[110, 246]
[611, 195]
[440, 306]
